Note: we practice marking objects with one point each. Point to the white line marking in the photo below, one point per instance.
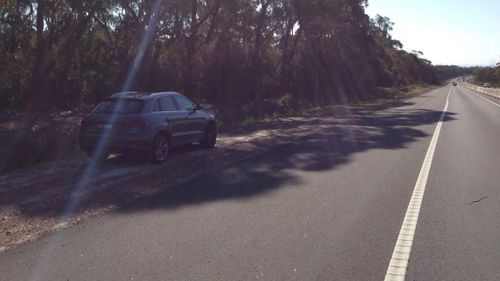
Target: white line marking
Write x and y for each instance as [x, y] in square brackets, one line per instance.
[493, 103]
[401, 254]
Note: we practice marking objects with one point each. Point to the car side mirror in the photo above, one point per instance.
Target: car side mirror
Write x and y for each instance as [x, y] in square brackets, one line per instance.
[198, 107]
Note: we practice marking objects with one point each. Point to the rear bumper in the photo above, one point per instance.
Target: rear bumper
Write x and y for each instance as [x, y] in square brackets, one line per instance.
[115, 143]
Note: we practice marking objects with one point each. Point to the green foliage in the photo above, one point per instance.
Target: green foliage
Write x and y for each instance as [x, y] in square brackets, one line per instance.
[243, 56]
[451, 71]
[487, 75]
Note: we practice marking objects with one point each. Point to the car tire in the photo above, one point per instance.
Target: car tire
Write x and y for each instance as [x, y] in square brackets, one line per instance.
[210, 138]
[160, 148]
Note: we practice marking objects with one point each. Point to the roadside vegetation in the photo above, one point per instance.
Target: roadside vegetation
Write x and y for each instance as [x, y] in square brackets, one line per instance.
[487, 75]
[246, 59]
[241, 56]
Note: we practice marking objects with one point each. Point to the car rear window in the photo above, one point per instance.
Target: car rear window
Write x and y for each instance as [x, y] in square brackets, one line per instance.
[120, 106]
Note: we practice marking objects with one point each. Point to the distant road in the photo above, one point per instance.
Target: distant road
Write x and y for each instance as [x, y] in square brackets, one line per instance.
[329, 207]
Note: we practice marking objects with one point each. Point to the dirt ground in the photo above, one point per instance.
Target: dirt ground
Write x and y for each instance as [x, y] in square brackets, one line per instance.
[48, 197]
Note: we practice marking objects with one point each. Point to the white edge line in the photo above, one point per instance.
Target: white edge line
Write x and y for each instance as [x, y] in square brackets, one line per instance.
[483, 98]
[396, 270]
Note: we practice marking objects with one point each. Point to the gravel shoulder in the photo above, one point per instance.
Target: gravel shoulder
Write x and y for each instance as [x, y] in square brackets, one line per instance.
[46, 198]
[42, 199]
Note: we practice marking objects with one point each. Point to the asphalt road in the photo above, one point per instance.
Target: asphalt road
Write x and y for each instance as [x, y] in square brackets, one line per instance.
[329, 207]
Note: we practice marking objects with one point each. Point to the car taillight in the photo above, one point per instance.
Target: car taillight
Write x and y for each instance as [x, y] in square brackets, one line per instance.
[134, 126]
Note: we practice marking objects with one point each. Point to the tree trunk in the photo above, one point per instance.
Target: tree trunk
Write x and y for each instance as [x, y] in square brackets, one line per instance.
[256, 61]
[69, 48]
[39, 68]
[191, 49]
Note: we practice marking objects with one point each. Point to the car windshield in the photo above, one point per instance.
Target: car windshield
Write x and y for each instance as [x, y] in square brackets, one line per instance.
[119, 106]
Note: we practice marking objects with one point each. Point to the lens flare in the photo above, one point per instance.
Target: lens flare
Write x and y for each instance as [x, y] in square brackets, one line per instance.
[92, 166]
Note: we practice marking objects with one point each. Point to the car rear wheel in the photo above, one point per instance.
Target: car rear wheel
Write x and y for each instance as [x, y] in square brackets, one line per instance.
[210, 136]
[160, 148]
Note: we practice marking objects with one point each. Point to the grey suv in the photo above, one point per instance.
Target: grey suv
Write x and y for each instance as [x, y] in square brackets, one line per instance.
[149, 122]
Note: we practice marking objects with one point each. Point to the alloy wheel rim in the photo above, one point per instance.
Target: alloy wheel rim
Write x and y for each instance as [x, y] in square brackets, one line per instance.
[161, 149]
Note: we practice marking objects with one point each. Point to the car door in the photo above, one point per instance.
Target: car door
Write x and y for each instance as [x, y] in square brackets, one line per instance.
[195, 122]
[175, 119]
[158, 117]
[165, 117]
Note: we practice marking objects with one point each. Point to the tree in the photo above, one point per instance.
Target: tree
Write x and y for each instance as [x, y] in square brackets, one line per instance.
[240, 55]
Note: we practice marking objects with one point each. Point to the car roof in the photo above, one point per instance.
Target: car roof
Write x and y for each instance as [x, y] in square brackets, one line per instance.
[140, 95]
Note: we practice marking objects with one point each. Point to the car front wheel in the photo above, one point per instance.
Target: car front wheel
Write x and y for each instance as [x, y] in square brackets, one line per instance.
[160, 149]
[210, 137]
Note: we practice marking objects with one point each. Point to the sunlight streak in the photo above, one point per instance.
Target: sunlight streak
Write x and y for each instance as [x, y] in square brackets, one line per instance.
[92, 166]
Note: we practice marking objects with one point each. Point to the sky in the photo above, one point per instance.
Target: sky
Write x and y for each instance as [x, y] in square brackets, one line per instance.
[460, 32]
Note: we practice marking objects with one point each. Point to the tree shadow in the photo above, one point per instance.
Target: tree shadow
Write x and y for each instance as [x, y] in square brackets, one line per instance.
[44, 190]
[318, 152]
[165, 186]
[339, 111]
[136, 159]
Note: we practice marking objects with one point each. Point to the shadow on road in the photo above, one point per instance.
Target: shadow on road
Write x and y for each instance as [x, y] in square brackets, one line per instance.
[127, 179]
[319, 152]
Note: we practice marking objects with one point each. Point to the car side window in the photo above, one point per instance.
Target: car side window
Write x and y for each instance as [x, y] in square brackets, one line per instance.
[167, 104]
[184, 103]
[156, 105]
